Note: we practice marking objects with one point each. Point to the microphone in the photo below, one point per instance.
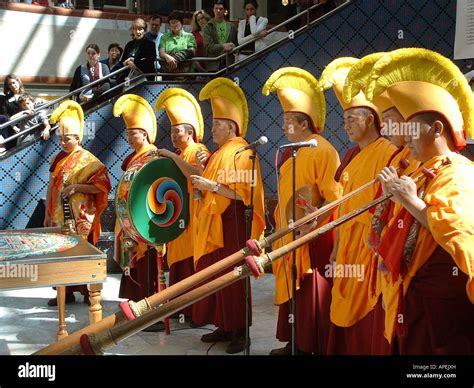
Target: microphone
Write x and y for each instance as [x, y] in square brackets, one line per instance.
[260, 141]
[310, 143]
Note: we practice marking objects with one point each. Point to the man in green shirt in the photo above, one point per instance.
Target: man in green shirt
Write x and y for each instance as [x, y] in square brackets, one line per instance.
[219, 37]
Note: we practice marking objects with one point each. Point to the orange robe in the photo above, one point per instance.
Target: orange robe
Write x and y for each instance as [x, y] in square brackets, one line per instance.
[219, 230]
[355, 265]
[79, 167]
[438, 292]
[351, 297]
[208, 226]
[315, 170]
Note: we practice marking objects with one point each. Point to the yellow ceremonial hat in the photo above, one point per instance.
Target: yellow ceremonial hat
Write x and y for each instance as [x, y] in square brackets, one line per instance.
[358, 78]
[419, 80]
[70, 116]
[334, 75]
[137, 114]
[228, 102]
[182, 108]
[298, 91]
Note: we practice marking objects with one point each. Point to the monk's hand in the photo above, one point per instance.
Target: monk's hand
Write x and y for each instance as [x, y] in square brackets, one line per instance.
[202, 183]
[166, 153]
[404, 190]
[201, 158]
[387, 177]
[69, 190]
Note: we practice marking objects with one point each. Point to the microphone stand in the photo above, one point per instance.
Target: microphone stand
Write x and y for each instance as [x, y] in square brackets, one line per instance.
[248, 233]
[293, 265]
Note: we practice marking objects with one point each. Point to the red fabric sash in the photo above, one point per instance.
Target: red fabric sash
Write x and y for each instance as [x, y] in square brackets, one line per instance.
[392, 246]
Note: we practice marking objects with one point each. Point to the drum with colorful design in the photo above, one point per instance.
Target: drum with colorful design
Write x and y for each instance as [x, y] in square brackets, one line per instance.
[152, 201]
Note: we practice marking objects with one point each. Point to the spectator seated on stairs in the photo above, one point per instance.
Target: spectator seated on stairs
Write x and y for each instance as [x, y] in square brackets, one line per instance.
[28, 104]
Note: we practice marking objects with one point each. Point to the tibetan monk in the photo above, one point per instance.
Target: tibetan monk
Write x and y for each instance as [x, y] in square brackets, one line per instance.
[354, 269]
[428, 246]
[139, 262]
[304, 114]
[78, 177]
[220, 227]
[187, 131]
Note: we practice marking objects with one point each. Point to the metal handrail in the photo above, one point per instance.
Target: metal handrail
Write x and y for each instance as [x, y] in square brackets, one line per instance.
[283, 39]
[59, 99]
[44, 106]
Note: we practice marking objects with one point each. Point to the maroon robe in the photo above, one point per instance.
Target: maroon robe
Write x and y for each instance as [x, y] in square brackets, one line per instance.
[226, 308]
[439, 315]
[313, 302]
[145, 273]
[179, 271]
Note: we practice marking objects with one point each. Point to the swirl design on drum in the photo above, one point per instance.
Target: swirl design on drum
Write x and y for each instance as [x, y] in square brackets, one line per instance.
[164, 202]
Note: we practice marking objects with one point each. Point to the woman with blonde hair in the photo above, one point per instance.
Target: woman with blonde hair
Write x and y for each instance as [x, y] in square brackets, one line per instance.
[199, 21]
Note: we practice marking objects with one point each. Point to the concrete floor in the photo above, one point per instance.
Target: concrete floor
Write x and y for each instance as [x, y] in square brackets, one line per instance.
[28, 324]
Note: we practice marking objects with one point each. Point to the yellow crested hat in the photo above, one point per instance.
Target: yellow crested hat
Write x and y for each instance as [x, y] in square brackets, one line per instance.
[70, 116]
[298, 91]
[358, 78]
[137, 114]
[419, 80]
[334, 75]
[182, 108]
[228, 102]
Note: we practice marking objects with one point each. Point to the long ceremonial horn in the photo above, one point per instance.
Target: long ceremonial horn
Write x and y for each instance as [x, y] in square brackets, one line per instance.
[96, 343]
[130, 310]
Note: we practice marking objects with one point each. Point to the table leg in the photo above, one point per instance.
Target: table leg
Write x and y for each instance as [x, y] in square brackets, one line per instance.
[61, 297]
[95, 297]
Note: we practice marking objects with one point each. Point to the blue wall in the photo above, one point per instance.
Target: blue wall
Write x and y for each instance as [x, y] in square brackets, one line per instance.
[361, 28]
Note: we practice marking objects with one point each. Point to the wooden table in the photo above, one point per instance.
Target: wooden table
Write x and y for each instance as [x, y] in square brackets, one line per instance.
[82, 264]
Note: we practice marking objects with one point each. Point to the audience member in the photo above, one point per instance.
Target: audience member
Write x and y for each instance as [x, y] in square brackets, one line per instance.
[92, 71]
[113, 61]
[199, 21]
[249, 28]
[219, 36]
[155, 35]
[28, 104]
[139, 53]
[177, 46]
[12, 88]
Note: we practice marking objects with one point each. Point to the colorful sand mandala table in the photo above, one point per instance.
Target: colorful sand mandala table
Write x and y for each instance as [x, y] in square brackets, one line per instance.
[14, 245]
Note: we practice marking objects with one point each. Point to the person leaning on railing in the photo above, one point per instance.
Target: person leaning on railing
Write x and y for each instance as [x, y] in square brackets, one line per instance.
[219, 37]
[113, 60]
[92, 71]
[176, 46]
[28, 104]
[12, 88]
[139, 53]
[249, 28]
